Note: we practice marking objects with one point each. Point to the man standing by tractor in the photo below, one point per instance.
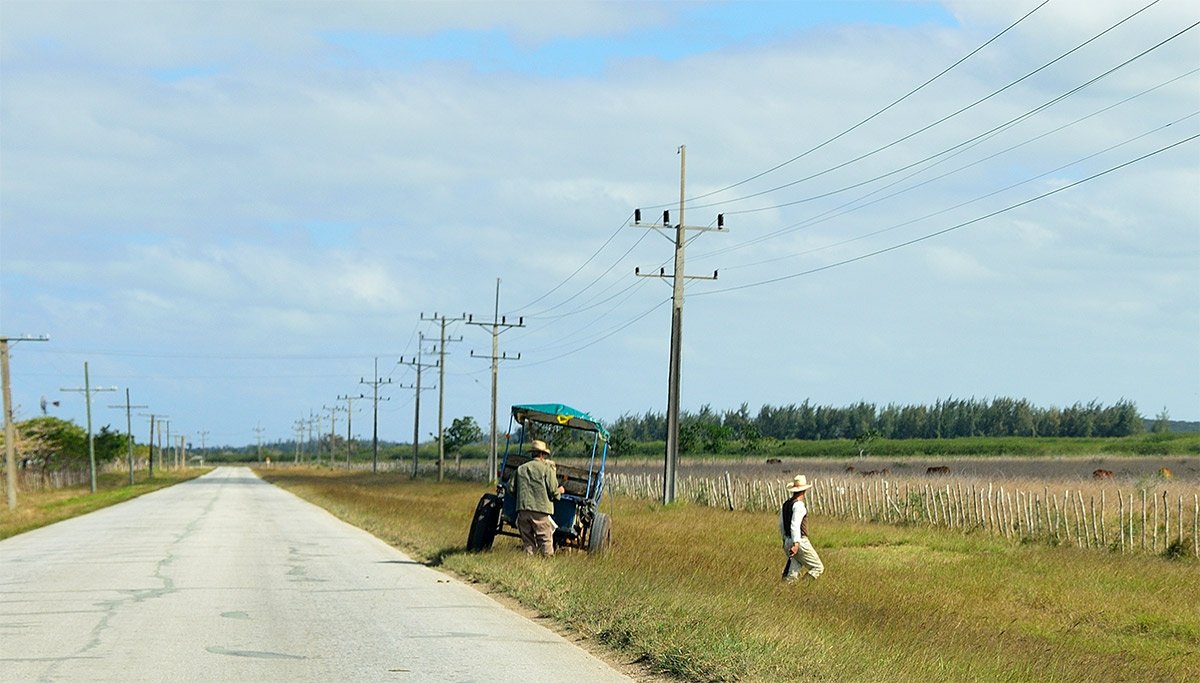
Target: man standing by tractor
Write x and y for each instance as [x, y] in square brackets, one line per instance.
[536, 487]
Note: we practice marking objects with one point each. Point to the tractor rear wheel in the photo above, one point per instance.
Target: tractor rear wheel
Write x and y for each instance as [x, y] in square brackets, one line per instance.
[600, 534]
[484, 524]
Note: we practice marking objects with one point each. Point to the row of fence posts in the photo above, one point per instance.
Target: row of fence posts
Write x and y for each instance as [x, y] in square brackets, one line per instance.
[1141, 521]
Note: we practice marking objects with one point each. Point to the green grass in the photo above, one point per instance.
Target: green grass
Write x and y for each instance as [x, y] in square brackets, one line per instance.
[39, 508]
[694, 592]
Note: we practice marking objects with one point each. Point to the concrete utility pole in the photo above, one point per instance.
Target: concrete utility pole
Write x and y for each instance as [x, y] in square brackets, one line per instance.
[10, 431]
[258, 432]
[166, 427]
[375, 384]
[298, 425]
[416, 362]
[150, 443]
[333, 411]
[349, 419]
[313, 424]
[87, 391]
[671, 460]
[498, 326]
[203, 445]
[442, 387]
[183, 451]
[129, 429]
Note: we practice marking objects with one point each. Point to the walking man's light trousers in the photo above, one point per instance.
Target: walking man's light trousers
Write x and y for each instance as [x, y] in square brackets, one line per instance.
[805, 560]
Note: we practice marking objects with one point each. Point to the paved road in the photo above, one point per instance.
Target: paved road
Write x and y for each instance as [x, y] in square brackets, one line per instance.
[229, 578]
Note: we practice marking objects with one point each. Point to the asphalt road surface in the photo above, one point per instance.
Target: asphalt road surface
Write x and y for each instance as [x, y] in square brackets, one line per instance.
[228, 578]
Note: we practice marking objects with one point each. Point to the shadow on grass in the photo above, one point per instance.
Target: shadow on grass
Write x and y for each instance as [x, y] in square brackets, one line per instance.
[438, 557]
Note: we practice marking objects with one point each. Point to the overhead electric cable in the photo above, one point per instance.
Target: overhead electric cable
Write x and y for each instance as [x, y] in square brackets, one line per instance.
[948, 116]
[836, 211]
[577, 270]
[541, 314]
[599, 339]
[943, 72]
[969, 201]
[951, 228]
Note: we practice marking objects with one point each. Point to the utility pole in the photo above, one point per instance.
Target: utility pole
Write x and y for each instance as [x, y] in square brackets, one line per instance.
[203, 445]
[349, 419]
[671, 460]
[298, 425]
[498, 326]
[129, 429]
[10, 431]
[333, 411]
[258, 432]
[183, 451]
[87, 392]
[442, 387]
[312, 431]
[150, 443]
[375, 383]
[416, 362]
[167, 427]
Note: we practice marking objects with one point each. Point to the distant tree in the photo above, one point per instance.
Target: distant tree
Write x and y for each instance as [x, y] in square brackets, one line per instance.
[462, 431]
[49, 444]
[1162, 422]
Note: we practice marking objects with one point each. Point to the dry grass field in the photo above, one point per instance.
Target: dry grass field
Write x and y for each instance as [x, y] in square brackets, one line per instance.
[38, 508]
[693, 592]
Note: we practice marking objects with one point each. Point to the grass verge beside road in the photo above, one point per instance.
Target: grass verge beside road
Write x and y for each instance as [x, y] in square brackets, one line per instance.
[694, 592]
[39, 508]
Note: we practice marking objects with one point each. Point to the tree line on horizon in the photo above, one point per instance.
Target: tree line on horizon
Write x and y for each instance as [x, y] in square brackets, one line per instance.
[945, 419]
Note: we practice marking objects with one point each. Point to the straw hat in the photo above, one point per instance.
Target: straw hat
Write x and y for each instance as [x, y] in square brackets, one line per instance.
[538, 446]
[800, 483]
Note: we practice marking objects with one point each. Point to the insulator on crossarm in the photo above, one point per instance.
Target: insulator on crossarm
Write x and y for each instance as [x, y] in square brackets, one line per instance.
[637, 216]
[720, 221]
[637, 270]
[666, 218]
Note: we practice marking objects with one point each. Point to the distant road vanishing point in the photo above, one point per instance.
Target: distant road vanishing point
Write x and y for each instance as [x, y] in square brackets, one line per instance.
[228, 578]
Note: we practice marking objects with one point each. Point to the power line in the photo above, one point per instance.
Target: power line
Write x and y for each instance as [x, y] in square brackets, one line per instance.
[837, 211]
[943, 72]
[953, 227]
[970, 201]
[947, 117]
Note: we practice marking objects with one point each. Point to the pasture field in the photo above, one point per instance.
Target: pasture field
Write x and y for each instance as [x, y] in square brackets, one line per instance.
[693, 592]
[41, 507]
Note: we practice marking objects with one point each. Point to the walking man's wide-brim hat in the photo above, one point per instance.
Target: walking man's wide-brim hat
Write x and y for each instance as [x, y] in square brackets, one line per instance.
[538, 446]
[800, 483]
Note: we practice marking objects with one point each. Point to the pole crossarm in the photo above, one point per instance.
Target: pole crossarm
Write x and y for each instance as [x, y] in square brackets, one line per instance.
[443, 321]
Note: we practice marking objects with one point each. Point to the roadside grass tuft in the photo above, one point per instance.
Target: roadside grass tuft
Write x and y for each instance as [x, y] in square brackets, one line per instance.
[694, 592]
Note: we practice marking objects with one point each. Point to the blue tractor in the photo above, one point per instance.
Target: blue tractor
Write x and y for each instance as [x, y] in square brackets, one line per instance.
[580, 524]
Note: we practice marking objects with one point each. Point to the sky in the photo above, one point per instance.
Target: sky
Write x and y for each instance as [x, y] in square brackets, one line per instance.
[235, 209]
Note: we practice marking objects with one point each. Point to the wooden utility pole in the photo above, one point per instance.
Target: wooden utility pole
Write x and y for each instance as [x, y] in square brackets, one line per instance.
[333, 411]
[10, 431]
[671, 459]
[375, 428]
[129, 429]
[416, 362]
[498, 326]
[87, 391]
[442, 387]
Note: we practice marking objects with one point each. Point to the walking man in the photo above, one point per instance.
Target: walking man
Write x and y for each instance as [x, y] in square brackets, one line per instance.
[793, 526]
[536, 487]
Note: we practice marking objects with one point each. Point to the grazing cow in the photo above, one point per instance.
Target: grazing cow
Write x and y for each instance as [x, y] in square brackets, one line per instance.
[1165, 472]
[849, 468]
[940, 469]
[774, 461]
[1102, 474]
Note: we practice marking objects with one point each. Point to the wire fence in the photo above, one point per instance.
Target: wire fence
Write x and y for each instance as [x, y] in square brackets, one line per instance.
[1160, 520]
